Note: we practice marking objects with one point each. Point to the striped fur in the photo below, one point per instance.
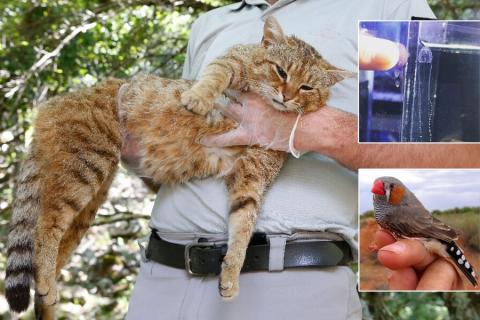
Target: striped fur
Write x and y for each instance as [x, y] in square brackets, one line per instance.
[63, 180]
[78, 138]
[20, 244]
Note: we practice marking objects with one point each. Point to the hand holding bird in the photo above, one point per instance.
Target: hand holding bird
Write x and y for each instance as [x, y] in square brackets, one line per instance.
[413, 267]
[426, 249]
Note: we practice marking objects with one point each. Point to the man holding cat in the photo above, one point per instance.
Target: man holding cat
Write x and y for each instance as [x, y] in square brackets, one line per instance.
[314, 197]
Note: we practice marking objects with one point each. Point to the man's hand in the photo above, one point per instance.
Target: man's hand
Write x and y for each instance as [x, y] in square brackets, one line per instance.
[413, 267]
[258, 124]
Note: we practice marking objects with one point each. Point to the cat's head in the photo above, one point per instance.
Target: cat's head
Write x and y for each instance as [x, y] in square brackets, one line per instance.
[297, 78]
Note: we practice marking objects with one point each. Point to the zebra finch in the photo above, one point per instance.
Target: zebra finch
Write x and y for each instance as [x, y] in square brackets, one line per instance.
[398, 210]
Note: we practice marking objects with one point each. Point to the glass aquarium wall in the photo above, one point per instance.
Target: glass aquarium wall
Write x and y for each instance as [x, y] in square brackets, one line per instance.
[442, 82]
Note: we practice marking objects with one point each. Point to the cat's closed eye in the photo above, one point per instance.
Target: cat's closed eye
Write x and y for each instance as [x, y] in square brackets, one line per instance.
[281, 72]
[305, 87]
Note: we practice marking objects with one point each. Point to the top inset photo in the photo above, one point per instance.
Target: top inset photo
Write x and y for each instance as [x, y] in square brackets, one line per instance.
[419, 81]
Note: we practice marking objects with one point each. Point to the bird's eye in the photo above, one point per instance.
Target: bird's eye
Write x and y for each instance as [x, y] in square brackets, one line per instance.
[391, 186]
[281, 72]
[306, 88]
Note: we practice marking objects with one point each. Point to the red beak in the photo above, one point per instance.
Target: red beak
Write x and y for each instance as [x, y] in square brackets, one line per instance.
[378, 188]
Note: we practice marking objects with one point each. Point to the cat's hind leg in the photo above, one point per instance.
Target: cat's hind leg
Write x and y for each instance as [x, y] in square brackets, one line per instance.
[69, 243]
[59, 210]
[246, 184]
[72, 184]
[81, 223]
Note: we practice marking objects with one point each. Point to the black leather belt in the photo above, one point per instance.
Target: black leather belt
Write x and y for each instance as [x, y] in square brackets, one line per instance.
[204, 257]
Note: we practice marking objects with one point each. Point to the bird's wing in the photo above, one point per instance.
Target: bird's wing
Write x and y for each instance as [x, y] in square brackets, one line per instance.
[417, 222]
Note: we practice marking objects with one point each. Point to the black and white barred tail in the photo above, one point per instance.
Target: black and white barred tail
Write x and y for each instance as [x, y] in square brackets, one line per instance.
[457, 255]
[20, 244]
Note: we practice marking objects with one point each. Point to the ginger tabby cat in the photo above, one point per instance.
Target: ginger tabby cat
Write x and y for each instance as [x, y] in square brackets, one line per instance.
[78, 136]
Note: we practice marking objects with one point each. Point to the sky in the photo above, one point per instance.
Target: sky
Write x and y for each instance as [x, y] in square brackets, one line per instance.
[437, 189]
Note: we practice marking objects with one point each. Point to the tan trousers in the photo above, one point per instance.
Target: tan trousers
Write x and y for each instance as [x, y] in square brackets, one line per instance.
[162, 292]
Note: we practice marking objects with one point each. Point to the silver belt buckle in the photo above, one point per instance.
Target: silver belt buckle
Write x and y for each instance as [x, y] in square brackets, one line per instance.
[187, 256]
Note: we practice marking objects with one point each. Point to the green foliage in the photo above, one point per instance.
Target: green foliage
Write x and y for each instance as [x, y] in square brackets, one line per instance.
[421, 306]
[456, 9]
[466, 221]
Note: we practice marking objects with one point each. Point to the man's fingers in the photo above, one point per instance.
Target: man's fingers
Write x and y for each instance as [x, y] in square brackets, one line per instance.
[407, 257]
[233, 111]
[405, 253]
[403, 279]
[236, 137]
[383, 238]
[440, 275]
[377, 54]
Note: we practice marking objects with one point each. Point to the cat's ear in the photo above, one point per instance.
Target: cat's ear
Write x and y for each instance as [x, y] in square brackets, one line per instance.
[336, 75]
[272, 32]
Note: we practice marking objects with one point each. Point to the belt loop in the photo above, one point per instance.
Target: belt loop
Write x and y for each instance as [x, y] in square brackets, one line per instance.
[142, 244]
[277, 252]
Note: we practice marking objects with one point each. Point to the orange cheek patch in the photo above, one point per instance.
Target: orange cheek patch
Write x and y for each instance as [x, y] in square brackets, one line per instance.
[396, 195]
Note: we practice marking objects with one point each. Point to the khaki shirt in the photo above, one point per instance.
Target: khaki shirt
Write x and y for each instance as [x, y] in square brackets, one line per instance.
[312, 193]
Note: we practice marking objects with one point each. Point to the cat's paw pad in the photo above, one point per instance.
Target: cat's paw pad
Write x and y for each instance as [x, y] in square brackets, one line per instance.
[48, 294]
[42, 288]
[50, 299]
[228, 290]
[228, 283]
[196, 103]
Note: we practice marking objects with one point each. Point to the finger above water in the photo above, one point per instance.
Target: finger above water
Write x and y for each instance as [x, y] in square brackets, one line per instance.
[377, 54]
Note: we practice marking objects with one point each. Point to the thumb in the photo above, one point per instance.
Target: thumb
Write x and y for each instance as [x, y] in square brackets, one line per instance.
[377, 53]
[236, 137]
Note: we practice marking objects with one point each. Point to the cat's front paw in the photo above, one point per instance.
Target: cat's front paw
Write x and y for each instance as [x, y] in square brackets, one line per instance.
[47, 292]
[229, 281]
[196, 103]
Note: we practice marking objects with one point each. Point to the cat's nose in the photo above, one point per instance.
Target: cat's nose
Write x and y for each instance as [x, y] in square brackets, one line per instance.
[286, 96]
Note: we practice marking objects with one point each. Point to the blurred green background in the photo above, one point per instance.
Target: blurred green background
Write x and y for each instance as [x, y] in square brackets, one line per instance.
[50, 46]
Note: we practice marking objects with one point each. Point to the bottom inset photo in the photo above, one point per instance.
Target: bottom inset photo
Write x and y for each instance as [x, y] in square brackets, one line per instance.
[419, 229]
